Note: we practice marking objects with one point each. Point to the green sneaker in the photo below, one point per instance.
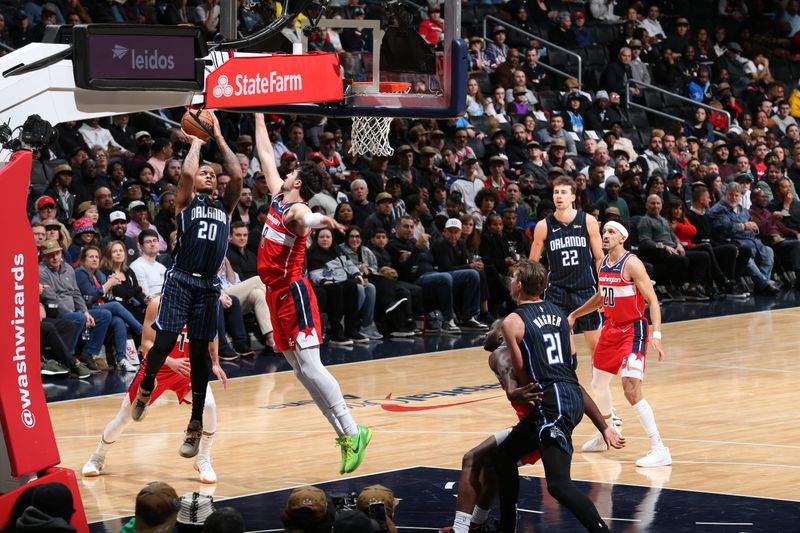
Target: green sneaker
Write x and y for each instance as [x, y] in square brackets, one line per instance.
[53, 368]
[353, 449]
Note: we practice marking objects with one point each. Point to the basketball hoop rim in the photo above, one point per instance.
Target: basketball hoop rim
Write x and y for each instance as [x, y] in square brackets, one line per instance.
[362, 87]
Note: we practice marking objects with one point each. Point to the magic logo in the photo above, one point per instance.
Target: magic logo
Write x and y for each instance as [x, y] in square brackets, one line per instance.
[409, 402]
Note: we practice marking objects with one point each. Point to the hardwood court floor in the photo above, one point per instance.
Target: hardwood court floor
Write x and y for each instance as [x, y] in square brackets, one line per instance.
[724, 397]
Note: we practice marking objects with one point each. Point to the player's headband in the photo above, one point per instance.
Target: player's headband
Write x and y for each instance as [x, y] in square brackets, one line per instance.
[619, 227]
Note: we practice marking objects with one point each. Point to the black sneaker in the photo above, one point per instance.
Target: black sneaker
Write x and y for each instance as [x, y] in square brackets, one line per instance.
[226, 353]
[337, 339]
[677, 295]
[191, 444]
[359, 338]
[88, 360]
[471, 324]
[244, 350]
[695, 294]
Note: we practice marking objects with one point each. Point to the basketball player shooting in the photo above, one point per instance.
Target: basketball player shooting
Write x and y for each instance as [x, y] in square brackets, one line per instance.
[290, 297]
[190, 295]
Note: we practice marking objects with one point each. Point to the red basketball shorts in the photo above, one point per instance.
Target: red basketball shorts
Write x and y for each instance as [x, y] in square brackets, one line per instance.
[295, 316]
[166, 379]
[622, 347]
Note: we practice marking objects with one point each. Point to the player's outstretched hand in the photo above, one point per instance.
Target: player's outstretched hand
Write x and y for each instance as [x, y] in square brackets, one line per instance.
[180, 366]
[527, 393]
[613, 438]
[331, 223]
[190, 139]
[221, 375]
[660, 349]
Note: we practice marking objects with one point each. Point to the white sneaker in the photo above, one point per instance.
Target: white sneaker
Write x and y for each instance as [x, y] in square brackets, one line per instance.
[595, 444]
[614, 418]
[371, 331]
[207, 474]
[93, 466]
[126, 366]
[656, 457]
[449, 326]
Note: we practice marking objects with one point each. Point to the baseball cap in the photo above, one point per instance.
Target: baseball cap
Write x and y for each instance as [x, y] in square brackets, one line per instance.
[43, 201]
[736, 47]
[83, 225]
[85, 206]
[558, 143]
[117, 215]
[635, 43]
[437, 134]
[429, 150]
[244, 139]
[288, 155]
[50, 246]
[316, 155]
[611, 210]
[419, 130]
[533, 144]
[51, 223]
[451, 223]
[468, 154]
[310, 498]
[403, 149]
[601, 95]
[743, 176]
[383, 196]
[351, 521]
[682, 22]
[498, 29]
[140, 134]
[195, 508]
[326, 136]
[379, 493]
[718, 144]
[612, 180]
[156, 504]
[520, 89]
[62, 168]
[137, 204]
[497, 159]
[578, 15]
[556, 170]
[571, 83]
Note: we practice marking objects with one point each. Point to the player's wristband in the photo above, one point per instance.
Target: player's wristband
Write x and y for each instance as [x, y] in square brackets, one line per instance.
[313, 220]
[657, 335]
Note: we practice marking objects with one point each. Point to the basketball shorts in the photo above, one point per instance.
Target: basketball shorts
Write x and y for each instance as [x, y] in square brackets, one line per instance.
[295, 316]
[166, 379]
[553, 419]
[622, 349]
[528, 459]
[191, 301]
[568, 300]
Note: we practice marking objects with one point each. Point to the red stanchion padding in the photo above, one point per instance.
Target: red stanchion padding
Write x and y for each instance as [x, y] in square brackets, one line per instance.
[275, 80]
[53, 475]
[26, 423]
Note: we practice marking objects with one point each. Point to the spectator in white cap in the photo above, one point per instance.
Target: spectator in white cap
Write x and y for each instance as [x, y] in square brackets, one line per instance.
[117, 226]
[612, 199]
[140, 220]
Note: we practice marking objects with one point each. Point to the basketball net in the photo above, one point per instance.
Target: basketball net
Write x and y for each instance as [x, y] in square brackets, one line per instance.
[370, 135]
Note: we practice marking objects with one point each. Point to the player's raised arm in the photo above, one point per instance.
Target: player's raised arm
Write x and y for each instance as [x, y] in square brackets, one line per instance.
[234, 189]
[634, 269]
[191, 164]
[266, 155]
[539, 237]
[300, 220]
[595, 240]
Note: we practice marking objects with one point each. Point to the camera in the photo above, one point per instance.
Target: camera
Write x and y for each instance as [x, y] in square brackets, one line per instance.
[344, 501]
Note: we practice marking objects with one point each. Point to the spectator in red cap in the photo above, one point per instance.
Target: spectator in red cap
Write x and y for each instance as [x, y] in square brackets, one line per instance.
[288, 163]
[582, 33]
[45, 208]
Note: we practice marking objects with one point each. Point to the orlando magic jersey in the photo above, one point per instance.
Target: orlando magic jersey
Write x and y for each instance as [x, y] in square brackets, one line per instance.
[545, 347]
[569, 254]
[202, 237]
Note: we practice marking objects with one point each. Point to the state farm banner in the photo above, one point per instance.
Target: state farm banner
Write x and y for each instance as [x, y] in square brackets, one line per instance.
[26, 423]
[275, 80]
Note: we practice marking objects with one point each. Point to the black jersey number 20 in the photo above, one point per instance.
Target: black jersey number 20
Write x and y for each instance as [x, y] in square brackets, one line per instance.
[608, 296]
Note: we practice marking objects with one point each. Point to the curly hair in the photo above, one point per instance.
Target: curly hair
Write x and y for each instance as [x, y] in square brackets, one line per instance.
[312, 178]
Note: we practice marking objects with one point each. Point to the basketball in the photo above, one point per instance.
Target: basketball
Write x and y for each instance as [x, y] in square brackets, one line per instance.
[197, 123]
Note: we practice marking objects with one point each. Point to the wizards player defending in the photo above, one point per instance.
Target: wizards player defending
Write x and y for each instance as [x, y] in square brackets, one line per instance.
[538, 335]
[290, 297]
[624, 288]
[190, 295]
[570, 239]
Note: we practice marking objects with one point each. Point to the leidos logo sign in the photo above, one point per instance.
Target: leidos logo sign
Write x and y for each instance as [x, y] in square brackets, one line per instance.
[271, 82]
[144, 60]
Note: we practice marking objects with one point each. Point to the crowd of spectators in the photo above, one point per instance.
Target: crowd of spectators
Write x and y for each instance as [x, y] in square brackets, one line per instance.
[709, 193]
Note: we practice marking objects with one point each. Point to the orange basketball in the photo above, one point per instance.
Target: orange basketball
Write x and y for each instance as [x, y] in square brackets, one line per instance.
[198, 123]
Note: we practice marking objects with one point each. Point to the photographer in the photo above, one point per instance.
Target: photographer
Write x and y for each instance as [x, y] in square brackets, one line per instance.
[307, 511]
[378, 502]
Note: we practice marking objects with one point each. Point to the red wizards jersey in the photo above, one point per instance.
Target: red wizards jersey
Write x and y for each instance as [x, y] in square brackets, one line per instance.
[280, 254]
[622, 302]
